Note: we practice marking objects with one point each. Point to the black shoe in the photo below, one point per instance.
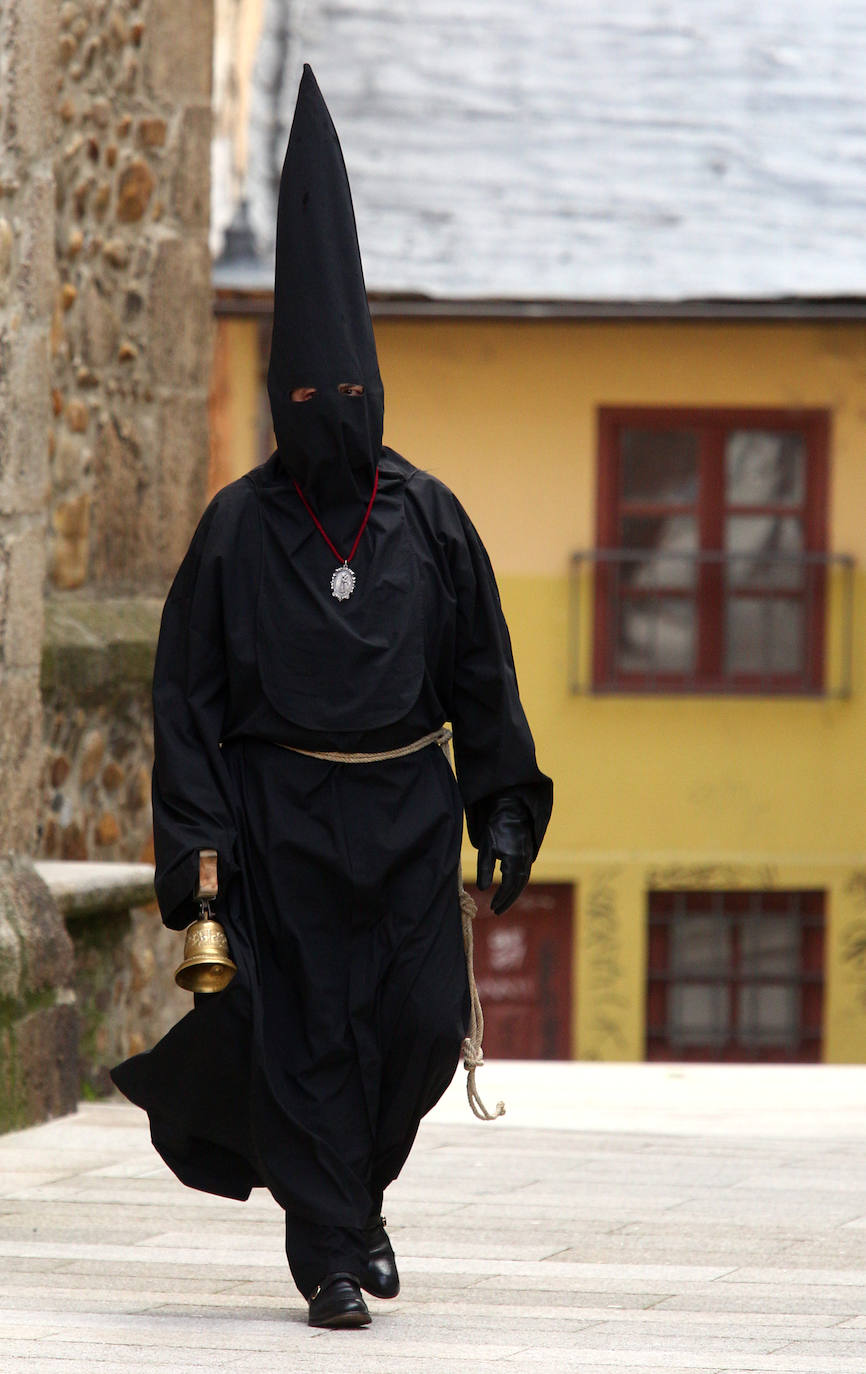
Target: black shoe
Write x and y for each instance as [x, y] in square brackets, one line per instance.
[379, 1274]
[336, 1302]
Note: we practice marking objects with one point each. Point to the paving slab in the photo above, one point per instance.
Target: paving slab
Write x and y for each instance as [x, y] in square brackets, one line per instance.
[629, 1218]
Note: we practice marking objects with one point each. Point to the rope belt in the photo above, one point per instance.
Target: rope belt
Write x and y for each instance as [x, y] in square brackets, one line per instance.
[473, 1055]
[440, 737]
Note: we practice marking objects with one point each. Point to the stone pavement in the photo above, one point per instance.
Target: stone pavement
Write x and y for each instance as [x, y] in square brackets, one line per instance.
[636, 1218]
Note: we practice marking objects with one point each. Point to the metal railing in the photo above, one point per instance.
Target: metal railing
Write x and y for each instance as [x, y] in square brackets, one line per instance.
[744, 623]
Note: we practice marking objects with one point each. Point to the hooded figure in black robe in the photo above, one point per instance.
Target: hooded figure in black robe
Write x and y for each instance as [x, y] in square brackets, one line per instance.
[310, 1072]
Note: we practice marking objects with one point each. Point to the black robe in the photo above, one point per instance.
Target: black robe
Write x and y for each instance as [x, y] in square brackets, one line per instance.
[310, 1073]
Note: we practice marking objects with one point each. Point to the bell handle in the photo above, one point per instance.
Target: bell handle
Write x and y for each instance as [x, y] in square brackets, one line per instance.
[207, 887]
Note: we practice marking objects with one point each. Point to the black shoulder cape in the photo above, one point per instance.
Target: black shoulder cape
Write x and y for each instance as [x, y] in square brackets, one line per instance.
[252, 643]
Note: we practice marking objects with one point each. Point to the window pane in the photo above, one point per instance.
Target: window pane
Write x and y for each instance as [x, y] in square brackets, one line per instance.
[656, 535]
[768, 1015]
[770, 546]
[764, 468]
[763, 635]
[699, 1014]
[659, 465]
[700, 944]
[770, 945]
[656, 635]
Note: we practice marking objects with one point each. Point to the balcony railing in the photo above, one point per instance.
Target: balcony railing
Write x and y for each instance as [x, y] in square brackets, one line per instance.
[744, 623]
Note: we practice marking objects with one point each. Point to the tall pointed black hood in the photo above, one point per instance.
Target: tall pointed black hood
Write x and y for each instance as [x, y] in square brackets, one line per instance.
[323, 334]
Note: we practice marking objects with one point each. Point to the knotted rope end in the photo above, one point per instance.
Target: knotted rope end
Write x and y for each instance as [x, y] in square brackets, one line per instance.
[473, 1055]
[473, 1058]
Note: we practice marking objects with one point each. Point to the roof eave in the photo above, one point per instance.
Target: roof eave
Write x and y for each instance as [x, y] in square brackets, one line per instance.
[258, 300]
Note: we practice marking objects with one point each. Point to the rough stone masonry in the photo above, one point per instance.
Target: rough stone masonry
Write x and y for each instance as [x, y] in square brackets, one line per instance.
[130, 363]
[28, 288]
[130, 336]
[105, 322]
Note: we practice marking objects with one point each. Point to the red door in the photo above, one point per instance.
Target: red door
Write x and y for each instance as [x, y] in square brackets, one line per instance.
[523, 971]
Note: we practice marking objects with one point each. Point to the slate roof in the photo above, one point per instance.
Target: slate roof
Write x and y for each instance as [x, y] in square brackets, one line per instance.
[619, 150]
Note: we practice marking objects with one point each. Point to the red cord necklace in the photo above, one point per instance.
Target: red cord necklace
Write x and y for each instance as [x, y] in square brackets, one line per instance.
[342, 579]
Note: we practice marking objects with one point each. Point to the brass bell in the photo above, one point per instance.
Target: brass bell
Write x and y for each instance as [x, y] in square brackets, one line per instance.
[207, 965]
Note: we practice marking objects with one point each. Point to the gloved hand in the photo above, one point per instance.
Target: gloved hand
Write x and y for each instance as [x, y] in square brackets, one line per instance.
[507, 837]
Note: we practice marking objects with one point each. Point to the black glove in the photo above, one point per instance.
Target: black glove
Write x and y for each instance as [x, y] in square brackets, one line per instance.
[508, 837]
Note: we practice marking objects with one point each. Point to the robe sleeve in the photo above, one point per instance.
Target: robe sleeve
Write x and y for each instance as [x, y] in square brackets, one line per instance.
[494, 751]
[192, 807]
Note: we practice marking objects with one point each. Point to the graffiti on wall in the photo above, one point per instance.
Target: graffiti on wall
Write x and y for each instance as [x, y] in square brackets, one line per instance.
[711, 877]
[853, 936]
[605, 973]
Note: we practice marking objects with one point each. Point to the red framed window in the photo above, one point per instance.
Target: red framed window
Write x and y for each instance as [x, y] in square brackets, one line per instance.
[736, 976]
[711, 551]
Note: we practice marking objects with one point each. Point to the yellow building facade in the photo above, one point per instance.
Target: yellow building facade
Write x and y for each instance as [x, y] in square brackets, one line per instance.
[655, 792]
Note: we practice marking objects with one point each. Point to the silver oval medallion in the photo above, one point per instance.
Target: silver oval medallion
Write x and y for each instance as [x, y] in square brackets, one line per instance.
[342, 583]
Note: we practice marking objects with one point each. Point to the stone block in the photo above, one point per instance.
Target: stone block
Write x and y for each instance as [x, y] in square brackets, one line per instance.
[25, 416]
[68, 460]
[116, 33]
[138, 791]
[120, 527]
[73, 845]
[10, 953]
[100, 113]
[60, 770]
[77, 416]
[191, 188]
[39, 1066]
[4, 594]
[116, 252]
[92, 751]
[134, 190]
[112, 776]
[7, 243]
[100, 327]
[21, 759]
[46, 954]
[177, 47]
[183, 457]
[99, 649]
[179, 320]
[37, 270]
[38, 1018]
[22, 647]
[30, 76]
[71, 544]
[107, 830]
[152, 132]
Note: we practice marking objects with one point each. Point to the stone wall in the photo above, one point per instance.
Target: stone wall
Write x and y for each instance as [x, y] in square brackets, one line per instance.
[97, 780]
[130, 369]
[124, 979]
[105, 338]
[123, 962]
[132, 321]
[96, 682]
[86, 979]
[105, 335]
[27, 292]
